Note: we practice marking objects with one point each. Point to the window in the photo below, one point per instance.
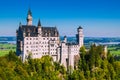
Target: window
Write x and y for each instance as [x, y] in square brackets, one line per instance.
[52, 45]
[27, 51]
[27, 43]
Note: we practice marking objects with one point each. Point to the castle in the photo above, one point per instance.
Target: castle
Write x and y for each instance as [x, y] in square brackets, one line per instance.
[40, 41]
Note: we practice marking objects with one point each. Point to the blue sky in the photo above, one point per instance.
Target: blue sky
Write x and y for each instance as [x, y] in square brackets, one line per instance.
[99, 18]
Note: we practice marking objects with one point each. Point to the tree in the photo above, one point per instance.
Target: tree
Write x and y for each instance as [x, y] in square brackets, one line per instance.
[117, 69]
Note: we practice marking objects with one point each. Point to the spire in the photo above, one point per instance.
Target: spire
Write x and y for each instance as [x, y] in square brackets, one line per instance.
[80, 27]
[39, 23]
[39, 28]
[20, 24]
[29, 12]
[65, 36]
[29, 17]
[65, 39]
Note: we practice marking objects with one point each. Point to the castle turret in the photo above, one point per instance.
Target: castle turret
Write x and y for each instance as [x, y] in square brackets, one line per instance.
[20, 24]
[105, 51]
[65, 39]
[39, 23]
[24, 34]
[39, 28]
[29, 17]
[80, 36]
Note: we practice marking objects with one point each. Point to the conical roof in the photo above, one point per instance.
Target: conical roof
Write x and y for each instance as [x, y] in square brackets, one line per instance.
[29, 12]
[39, 23]
[80, 27]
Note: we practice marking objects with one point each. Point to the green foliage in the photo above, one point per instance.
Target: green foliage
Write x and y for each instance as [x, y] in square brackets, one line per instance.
[11, 68]
[94, 66]
[117, 69]
[91, 66]
[114, 49]
[6, 47]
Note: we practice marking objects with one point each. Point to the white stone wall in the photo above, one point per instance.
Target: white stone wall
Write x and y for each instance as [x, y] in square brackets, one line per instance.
[40, 46]
[73, 50]
[67, 53]
[81, 37]
[64, 54]
[60, 52]
[29, 22]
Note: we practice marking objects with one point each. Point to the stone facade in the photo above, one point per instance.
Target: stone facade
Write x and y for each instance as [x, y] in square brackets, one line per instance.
[38, 41]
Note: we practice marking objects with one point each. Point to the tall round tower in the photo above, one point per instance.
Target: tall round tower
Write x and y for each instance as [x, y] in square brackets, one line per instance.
[29, 17]
[80, 36]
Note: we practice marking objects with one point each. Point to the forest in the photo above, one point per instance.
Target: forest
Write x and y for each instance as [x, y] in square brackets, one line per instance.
[92, 65]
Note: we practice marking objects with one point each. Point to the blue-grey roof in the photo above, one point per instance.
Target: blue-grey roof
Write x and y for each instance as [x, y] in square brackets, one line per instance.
[33, 31]
[80, 27]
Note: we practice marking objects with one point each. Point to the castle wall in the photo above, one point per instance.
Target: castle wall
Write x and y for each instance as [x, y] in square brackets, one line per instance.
[67, 54]
[64, 54]
[73, 50]
[40, 46]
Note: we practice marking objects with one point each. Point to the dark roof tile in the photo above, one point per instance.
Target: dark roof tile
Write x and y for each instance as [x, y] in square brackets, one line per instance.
[33, 31]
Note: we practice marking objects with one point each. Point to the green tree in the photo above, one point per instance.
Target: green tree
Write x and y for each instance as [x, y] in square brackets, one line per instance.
[117, 69]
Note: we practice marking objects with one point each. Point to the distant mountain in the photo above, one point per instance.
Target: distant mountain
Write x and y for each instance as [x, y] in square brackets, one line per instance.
[94, 39]
[8, 38]
[73, 39]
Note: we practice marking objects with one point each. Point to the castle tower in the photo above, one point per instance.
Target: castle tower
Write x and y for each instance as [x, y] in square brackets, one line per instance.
[39, 28]
[80, 36]
[65, 39]
[105, 51]
[29, 17]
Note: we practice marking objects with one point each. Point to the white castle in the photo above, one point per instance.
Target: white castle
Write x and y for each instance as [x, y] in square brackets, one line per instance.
[40, 41]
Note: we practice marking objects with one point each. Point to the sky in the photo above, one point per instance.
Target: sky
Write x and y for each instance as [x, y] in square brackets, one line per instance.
[99, 18]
